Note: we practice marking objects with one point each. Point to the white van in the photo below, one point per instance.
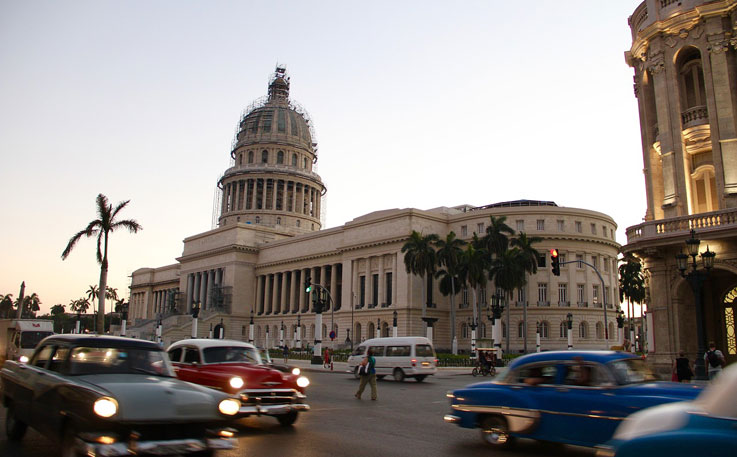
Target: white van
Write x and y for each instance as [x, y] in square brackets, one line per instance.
[402, 357]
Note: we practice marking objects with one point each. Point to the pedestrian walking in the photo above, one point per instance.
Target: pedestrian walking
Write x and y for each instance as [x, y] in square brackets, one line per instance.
[285, 352]
[326, 358]
[369, 375]
[682, 368]
[714, 360]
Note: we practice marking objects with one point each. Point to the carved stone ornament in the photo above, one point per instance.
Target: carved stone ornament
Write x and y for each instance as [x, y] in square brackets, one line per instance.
[717, 43]
[697, 32]
[671, 42]
[733, 42]
[656, 63]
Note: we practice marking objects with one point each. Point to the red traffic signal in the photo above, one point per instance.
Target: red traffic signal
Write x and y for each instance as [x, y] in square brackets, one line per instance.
[555, 261]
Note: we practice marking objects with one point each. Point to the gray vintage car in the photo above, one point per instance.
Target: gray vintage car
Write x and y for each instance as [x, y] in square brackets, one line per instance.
[111, 396]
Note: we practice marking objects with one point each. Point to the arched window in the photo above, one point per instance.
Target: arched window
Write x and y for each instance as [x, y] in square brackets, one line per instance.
[357, 333]
[504, 330]
[521, 329]
[294, 160]
[250, 156]
[240, 159]
[543, 329]
[564, 329]
[298, 222]
[464, 331]
[324, 331]
[280, 157]
[264, 156]
[371, 331]
[278, 221]
[599, 331]
[612, 332]
[583, 330]
[691, 79]
[258, 220]
[304, 163]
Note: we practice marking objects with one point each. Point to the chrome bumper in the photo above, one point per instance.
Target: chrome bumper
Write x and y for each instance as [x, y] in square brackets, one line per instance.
[273, 410]
[451, 419]
[168, 447]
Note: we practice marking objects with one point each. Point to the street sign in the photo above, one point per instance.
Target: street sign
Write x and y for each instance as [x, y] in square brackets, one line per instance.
[332, 335]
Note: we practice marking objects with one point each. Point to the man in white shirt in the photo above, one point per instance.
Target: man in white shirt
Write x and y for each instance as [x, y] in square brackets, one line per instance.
[714, 360]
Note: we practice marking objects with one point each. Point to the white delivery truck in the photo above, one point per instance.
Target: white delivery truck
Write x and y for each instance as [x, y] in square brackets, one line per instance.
[19, 337]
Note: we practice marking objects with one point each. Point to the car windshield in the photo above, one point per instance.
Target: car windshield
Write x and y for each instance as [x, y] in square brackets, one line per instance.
[265, 357]
[29, 340]
[120, 360]
[221, 354]
[632, 371]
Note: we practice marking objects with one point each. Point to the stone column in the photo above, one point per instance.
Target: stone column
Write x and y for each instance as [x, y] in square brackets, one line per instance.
[323, 281]
[197, 287]
[254, 193]
[259, 294]
[294, 197]
[355, 286]
[264, 192]
[190, 288]
[284, 297]
[382, 293]
[293, 304]
[334, 284]
[275, 294]
[302, 293]
[267, 294]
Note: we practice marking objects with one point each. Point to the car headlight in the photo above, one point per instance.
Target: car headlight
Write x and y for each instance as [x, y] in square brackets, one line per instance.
[23, 359]
[303, 381]
[296, 371]
[105, 407]
[229, 406]
[236, 382]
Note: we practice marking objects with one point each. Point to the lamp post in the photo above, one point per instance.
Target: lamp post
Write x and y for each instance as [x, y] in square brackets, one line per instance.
[537, 337]
[195, 315]
[473, 323]
[696, 279]
[299, 330]
[378, 327]
[497, 308]
[394, 323]
[569, 323]
[250, 328]
[281, 334]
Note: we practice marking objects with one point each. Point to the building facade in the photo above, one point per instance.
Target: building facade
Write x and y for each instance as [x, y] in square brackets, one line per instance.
[685, 64]
[269, 240]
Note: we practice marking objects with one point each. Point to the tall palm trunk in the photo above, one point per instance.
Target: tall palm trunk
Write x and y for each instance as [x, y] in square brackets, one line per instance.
[101, 299]
[454, 347]
[524, 322]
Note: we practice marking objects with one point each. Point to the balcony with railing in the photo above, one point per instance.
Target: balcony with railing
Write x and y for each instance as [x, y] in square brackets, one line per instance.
[696, 115]
[661, 231]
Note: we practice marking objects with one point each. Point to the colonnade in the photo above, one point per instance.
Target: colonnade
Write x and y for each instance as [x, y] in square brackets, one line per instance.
[199, 287]
[283, 292]
[162, 301]
[271, 194]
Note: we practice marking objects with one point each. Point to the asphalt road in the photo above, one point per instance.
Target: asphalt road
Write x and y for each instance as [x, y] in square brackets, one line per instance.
[405, 421]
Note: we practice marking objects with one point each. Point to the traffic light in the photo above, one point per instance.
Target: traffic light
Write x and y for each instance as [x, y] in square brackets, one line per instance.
[308, 284]
[555, 261]
[195, 310]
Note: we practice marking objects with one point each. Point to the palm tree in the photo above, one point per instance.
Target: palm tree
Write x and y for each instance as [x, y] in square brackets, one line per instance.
[6, 306]
[631, 287]
[111, 293]
[497, 235]
[530, 257]
[508, 272]
[449, 253]
[420, 260]
[58, 309]
[471, 271]
[92, 293]
[80, 305]
[102, 227]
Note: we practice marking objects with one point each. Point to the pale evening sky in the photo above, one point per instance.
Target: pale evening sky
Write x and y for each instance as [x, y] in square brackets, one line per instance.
[415, 104]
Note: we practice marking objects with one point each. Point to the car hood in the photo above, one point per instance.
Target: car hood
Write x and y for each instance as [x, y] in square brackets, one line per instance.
[674, 390]
[256, 376]
[151, 398]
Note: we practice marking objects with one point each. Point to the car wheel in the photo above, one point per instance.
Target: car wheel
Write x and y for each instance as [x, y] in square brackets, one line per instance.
[15, 429]
[398, 375]
[495, 432]
[69, 443]
[420, 378]
[380, 376]
[287, 419]
[475, 372]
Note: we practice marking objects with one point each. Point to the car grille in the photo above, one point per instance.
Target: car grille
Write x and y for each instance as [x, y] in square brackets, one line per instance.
[268, 397]
[166, 431]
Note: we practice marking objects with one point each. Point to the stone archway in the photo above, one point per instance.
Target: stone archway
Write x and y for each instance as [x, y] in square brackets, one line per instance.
[729, 303]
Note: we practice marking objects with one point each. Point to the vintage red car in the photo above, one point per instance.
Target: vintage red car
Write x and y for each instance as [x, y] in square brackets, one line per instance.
[236, 367]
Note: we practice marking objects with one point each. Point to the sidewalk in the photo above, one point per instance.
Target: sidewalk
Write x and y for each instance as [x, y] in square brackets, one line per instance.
[342, 367]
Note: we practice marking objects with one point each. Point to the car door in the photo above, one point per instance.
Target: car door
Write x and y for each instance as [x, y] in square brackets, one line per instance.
[585, 400]
[46, 402]
[537, 385]
[25, 381]
[186, 361]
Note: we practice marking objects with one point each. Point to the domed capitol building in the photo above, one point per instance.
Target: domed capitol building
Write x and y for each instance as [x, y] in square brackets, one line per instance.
[248, 274]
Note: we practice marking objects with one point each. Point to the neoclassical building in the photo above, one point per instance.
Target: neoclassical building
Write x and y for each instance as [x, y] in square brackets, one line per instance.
[252, 267]
[685, 64]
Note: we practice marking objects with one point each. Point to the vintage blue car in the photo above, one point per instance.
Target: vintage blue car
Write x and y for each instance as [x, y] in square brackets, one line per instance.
[111, 396]
[706, 426]
[572, 397]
